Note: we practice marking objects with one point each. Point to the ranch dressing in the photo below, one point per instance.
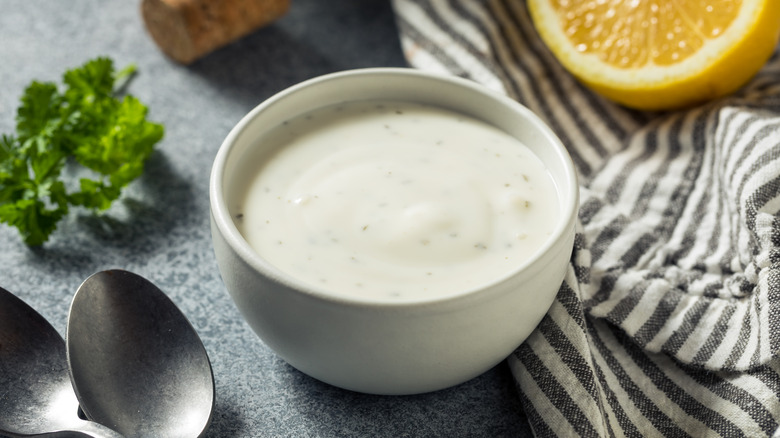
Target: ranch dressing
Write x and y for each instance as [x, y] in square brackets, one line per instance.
[395, 200]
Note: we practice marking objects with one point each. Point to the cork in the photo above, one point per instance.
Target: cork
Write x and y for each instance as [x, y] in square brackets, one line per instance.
[186, 30]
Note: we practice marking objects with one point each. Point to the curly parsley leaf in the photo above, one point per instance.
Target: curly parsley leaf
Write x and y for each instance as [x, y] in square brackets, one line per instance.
[89, 124]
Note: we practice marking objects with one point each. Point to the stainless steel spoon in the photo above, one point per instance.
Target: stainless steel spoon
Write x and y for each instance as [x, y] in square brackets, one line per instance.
[136, 363]
[36, 396]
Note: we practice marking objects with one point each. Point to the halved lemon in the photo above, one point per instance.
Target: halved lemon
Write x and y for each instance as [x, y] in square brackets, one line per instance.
[660, 54]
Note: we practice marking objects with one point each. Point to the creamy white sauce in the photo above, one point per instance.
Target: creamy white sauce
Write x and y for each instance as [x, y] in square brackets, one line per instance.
[395, 200]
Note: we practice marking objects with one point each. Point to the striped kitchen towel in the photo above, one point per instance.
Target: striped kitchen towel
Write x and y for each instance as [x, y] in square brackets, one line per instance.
[668, 322]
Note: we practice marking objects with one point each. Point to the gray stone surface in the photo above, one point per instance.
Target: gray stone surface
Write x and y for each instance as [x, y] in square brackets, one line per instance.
[160, 227]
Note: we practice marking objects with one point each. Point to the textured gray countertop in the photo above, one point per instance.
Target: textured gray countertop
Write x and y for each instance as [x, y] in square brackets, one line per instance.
[160, 227]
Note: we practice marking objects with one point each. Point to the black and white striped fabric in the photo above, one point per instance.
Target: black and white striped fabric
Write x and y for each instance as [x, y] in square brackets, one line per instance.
[668, 322]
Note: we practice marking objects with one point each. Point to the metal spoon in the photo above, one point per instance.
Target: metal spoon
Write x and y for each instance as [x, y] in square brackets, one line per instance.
[36, 396]
[136, 363]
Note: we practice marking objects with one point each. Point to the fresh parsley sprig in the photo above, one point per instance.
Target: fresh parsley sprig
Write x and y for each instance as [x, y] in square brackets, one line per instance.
[89, 124]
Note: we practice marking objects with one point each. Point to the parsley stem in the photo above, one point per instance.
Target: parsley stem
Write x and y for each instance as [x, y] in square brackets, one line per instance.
[123, 78]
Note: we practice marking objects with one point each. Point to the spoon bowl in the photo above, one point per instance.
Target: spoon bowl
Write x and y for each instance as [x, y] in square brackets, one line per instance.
[136, 362]
[36, 396]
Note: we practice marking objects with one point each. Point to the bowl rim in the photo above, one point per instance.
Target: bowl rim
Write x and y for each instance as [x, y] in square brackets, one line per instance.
[229, 231]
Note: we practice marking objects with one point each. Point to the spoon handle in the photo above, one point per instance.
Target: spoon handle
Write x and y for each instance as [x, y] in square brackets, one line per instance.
[87, 429]
[82, 429]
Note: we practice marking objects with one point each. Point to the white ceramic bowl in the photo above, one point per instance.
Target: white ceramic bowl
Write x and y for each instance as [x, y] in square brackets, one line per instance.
[385, 347]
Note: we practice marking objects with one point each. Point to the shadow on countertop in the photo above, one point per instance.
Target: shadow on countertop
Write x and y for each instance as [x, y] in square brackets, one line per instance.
[148, 211]
[349, 34]
[343, 413]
